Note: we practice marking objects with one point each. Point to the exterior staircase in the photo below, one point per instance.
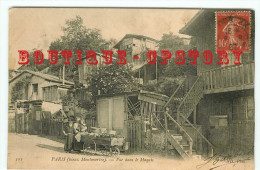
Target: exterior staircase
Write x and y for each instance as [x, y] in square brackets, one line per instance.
[190, 100]
[178, 109]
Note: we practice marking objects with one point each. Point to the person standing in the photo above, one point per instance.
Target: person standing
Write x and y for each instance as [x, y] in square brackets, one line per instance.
[68, 132]
[77, 144]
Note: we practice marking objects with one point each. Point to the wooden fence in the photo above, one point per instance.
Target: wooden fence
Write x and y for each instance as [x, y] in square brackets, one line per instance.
[55, 128]
[235, 77]
[135, 136]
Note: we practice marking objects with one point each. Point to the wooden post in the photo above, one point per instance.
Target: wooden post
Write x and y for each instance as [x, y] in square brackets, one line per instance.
[166, 130]
[253, 72]
[156, 71]
[15, 117]
[195, 115]
[178, 115]
[190, 149]
[210, 79]
[63, 75]
[150, 120]
[131, 138]
[142, 124]
[210, 152]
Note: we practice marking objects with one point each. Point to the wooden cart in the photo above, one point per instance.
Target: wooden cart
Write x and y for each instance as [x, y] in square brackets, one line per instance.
[103, 145]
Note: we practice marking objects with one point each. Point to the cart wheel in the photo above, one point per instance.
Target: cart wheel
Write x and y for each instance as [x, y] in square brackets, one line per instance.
[116, 151]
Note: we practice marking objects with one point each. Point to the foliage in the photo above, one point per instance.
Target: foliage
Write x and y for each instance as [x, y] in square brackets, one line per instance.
[113, 78]
[165, 86]
[171, 74]
[172, 43]
[16, 92]
[76, 37]
[32, 66]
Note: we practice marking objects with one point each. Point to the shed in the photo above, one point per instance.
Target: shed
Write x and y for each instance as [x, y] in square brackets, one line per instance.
[127, 112]
[54, 93]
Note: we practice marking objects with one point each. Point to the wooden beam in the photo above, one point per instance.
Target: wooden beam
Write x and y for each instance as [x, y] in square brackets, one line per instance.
[166, 131]
[195, 115]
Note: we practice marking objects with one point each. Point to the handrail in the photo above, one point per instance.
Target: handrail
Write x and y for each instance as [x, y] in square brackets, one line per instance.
[158, 120]
[226, 77]
[189, 138]
[166, 104]
[219, 68]
[198, 132]
[187, 94]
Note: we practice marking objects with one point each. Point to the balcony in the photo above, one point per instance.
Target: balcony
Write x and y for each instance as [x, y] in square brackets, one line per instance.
[230, 78]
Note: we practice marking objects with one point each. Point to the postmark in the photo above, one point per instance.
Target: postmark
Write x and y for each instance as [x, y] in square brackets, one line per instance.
[233, 31]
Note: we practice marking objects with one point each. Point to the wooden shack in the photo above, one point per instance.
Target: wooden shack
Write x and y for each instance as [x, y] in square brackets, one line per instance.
[128, 113]
[21, 116]
[34, 117]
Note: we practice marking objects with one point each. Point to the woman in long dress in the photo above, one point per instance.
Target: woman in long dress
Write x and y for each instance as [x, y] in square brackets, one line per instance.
[68, 132]
[77, 143]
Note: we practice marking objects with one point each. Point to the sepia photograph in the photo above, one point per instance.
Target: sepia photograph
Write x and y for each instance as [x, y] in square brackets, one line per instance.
[131, 88]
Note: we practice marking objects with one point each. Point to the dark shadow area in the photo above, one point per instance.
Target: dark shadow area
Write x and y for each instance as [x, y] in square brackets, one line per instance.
[54, 138]
[57, 149]
[53, 148]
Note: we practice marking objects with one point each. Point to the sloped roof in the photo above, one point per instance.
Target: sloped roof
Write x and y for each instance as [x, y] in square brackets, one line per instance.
[44, 76]
[100, 55]
[198, 22]
[134, 36]
[65, 86]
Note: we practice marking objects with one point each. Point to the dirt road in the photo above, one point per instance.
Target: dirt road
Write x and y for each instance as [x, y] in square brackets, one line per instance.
[35, 152]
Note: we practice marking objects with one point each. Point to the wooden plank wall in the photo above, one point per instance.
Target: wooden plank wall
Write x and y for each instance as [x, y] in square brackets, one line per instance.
[139, 134]
[135, 135]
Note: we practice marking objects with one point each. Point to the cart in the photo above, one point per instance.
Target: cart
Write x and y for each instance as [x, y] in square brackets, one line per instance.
[103, 144]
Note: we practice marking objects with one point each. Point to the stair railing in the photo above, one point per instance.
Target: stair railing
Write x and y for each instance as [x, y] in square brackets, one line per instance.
[212, 147]
[186, 135]
[175, 92]
[191, 99]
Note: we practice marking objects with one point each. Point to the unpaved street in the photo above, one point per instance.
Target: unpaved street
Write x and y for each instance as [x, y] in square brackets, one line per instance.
[35, 152]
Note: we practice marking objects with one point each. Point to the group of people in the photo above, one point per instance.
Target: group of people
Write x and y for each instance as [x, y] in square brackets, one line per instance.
[71, 131]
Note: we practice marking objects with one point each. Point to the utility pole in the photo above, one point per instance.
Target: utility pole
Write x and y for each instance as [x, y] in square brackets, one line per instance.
[63, 74]
[156, 71]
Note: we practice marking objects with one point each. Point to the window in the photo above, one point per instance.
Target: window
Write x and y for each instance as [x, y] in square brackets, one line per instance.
[243, 108]
[35, 88]
[38, 115]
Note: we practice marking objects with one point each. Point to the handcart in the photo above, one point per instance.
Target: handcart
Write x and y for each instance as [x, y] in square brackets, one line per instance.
[103, 144]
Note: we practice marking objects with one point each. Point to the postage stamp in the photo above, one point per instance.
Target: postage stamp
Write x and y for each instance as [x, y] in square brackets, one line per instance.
[147, 93]
[233, 31]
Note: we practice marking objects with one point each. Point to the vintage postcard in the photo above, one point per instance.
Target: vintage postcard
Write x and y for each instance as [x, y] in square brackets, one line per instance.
[131, 88]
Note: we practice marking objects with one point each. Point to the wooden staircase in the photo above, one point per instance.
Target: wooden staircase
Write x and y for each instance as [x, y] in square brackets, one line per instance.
[190, 100]
[177, 111]
[181, 145]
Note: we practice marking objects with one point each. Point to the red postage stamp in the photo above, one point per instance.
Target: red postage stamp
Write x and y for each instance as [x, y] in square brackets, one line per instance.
[233, 31]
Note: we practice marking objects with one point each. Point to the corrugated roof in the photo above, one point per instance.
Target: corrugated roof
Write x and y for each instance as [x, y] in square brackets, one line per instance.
[44, 76]
[134, 36]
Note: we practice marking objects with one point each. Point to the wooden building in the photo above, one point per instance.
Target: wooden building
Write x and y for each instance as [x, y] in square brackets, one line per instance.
[216, 114]
[54, 93]
[39, 96]
[138, 45]
[31, 85]
[129, 114]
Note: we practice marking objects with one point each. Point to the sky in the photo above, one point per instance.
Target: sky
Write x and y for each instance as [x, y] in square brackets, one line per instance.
[36, 28]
